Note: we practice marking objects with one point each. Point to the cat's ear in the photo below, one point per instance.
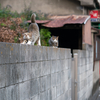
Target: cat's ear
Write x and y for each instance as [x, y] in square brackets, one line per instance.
[57, 37]
[52, 36]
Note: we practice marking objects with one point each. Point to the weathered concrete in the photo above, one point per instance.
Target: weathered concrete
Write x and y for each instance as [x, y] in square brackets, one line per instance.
[46, 6]
[44, 73]
[96, 76]
[34, 72]
[85, 73]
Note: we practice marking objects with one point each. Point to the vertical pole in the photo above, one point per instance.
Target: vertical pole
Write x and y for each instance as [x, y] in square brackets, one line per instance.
[72, 80]
[75, 74]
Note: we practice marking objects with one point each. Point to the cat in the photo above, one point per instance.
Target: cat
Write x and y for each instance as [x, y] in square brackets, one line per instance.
[33, 35]
[27, 37]
[53, 41]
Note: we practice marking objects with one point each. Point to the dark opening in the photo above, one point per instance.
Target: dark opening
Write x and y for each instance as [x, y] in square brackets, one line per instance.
[97, 47]
[69, 38]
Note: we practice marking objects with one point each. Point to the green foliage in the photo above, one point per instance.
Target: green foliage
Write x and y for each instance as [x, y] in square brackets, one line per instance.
[27, 13]
[3, 24]
[14, 14]
[41, 16]
[13, 26]
[16, 39]
[45, 35]
[4, 13]
[24, 25]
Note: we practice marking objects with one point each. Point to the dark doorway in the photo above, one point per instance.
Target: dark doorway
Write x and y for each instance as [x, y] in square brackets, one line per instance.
[69, 38]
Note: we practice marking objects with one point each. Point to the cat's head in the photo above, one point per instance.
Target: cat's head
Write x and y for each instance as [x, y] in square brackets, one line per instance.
[55, 39]
[27, 36]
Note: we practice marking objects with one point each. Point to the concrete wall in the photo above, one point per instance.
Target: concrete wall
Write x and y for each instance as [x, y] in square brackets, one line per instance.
[85, 73]
[96, 76]
[95, 90]
[46, 6]
[34, 73]
[43, 73]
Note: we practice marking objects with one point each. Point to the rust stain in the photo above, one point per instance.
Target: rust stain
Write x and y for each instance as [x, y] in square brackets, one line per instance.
[11, 49]
[39, 21]
[46, 49]
[60, 21]
[1, 52]
[7, 45]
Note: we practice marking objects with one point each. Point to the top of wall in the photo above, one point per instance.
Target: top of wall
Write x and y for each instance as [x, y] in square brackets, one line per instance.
[14, 53]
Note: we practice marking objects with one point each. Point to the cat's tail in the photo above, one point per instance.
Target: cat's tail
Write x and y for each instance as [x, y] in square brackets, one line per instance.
[33, 18]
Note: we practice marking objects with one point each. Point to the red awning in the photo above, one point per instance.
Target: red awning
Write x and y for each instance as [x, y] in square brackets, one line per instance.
[39, 21]
[60, 21]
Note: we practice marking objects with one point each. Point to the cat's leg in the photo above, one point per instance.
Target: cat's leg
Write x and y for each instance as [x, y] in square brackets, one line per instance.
[24, 42]
[33, 43]
[39, 42]
[36, 42]
[29, 42]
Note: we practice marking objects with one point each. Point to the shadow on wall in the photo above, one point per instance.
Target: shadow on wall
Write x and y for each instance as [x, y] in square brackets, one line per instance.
[95, 86]
[95, 91]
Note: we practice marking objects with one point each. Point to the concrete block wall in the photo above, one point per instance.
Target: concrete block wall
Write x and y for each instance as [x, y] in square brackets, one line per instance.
[34, 72]
[85, 73]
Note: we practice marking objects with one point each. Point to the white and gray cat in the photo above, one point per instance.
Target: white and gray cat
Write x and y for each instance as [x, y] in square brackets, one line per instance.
[33, 35]
[53, 41]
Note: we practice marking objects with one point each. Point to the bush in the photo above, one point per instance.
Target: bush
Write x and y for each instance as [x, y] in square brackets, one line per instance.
[13, 24]
[45, 35]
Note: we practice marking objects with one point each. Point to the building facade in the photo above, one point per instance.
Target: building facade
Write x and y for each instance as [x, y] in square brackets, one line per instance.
[48, 6]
